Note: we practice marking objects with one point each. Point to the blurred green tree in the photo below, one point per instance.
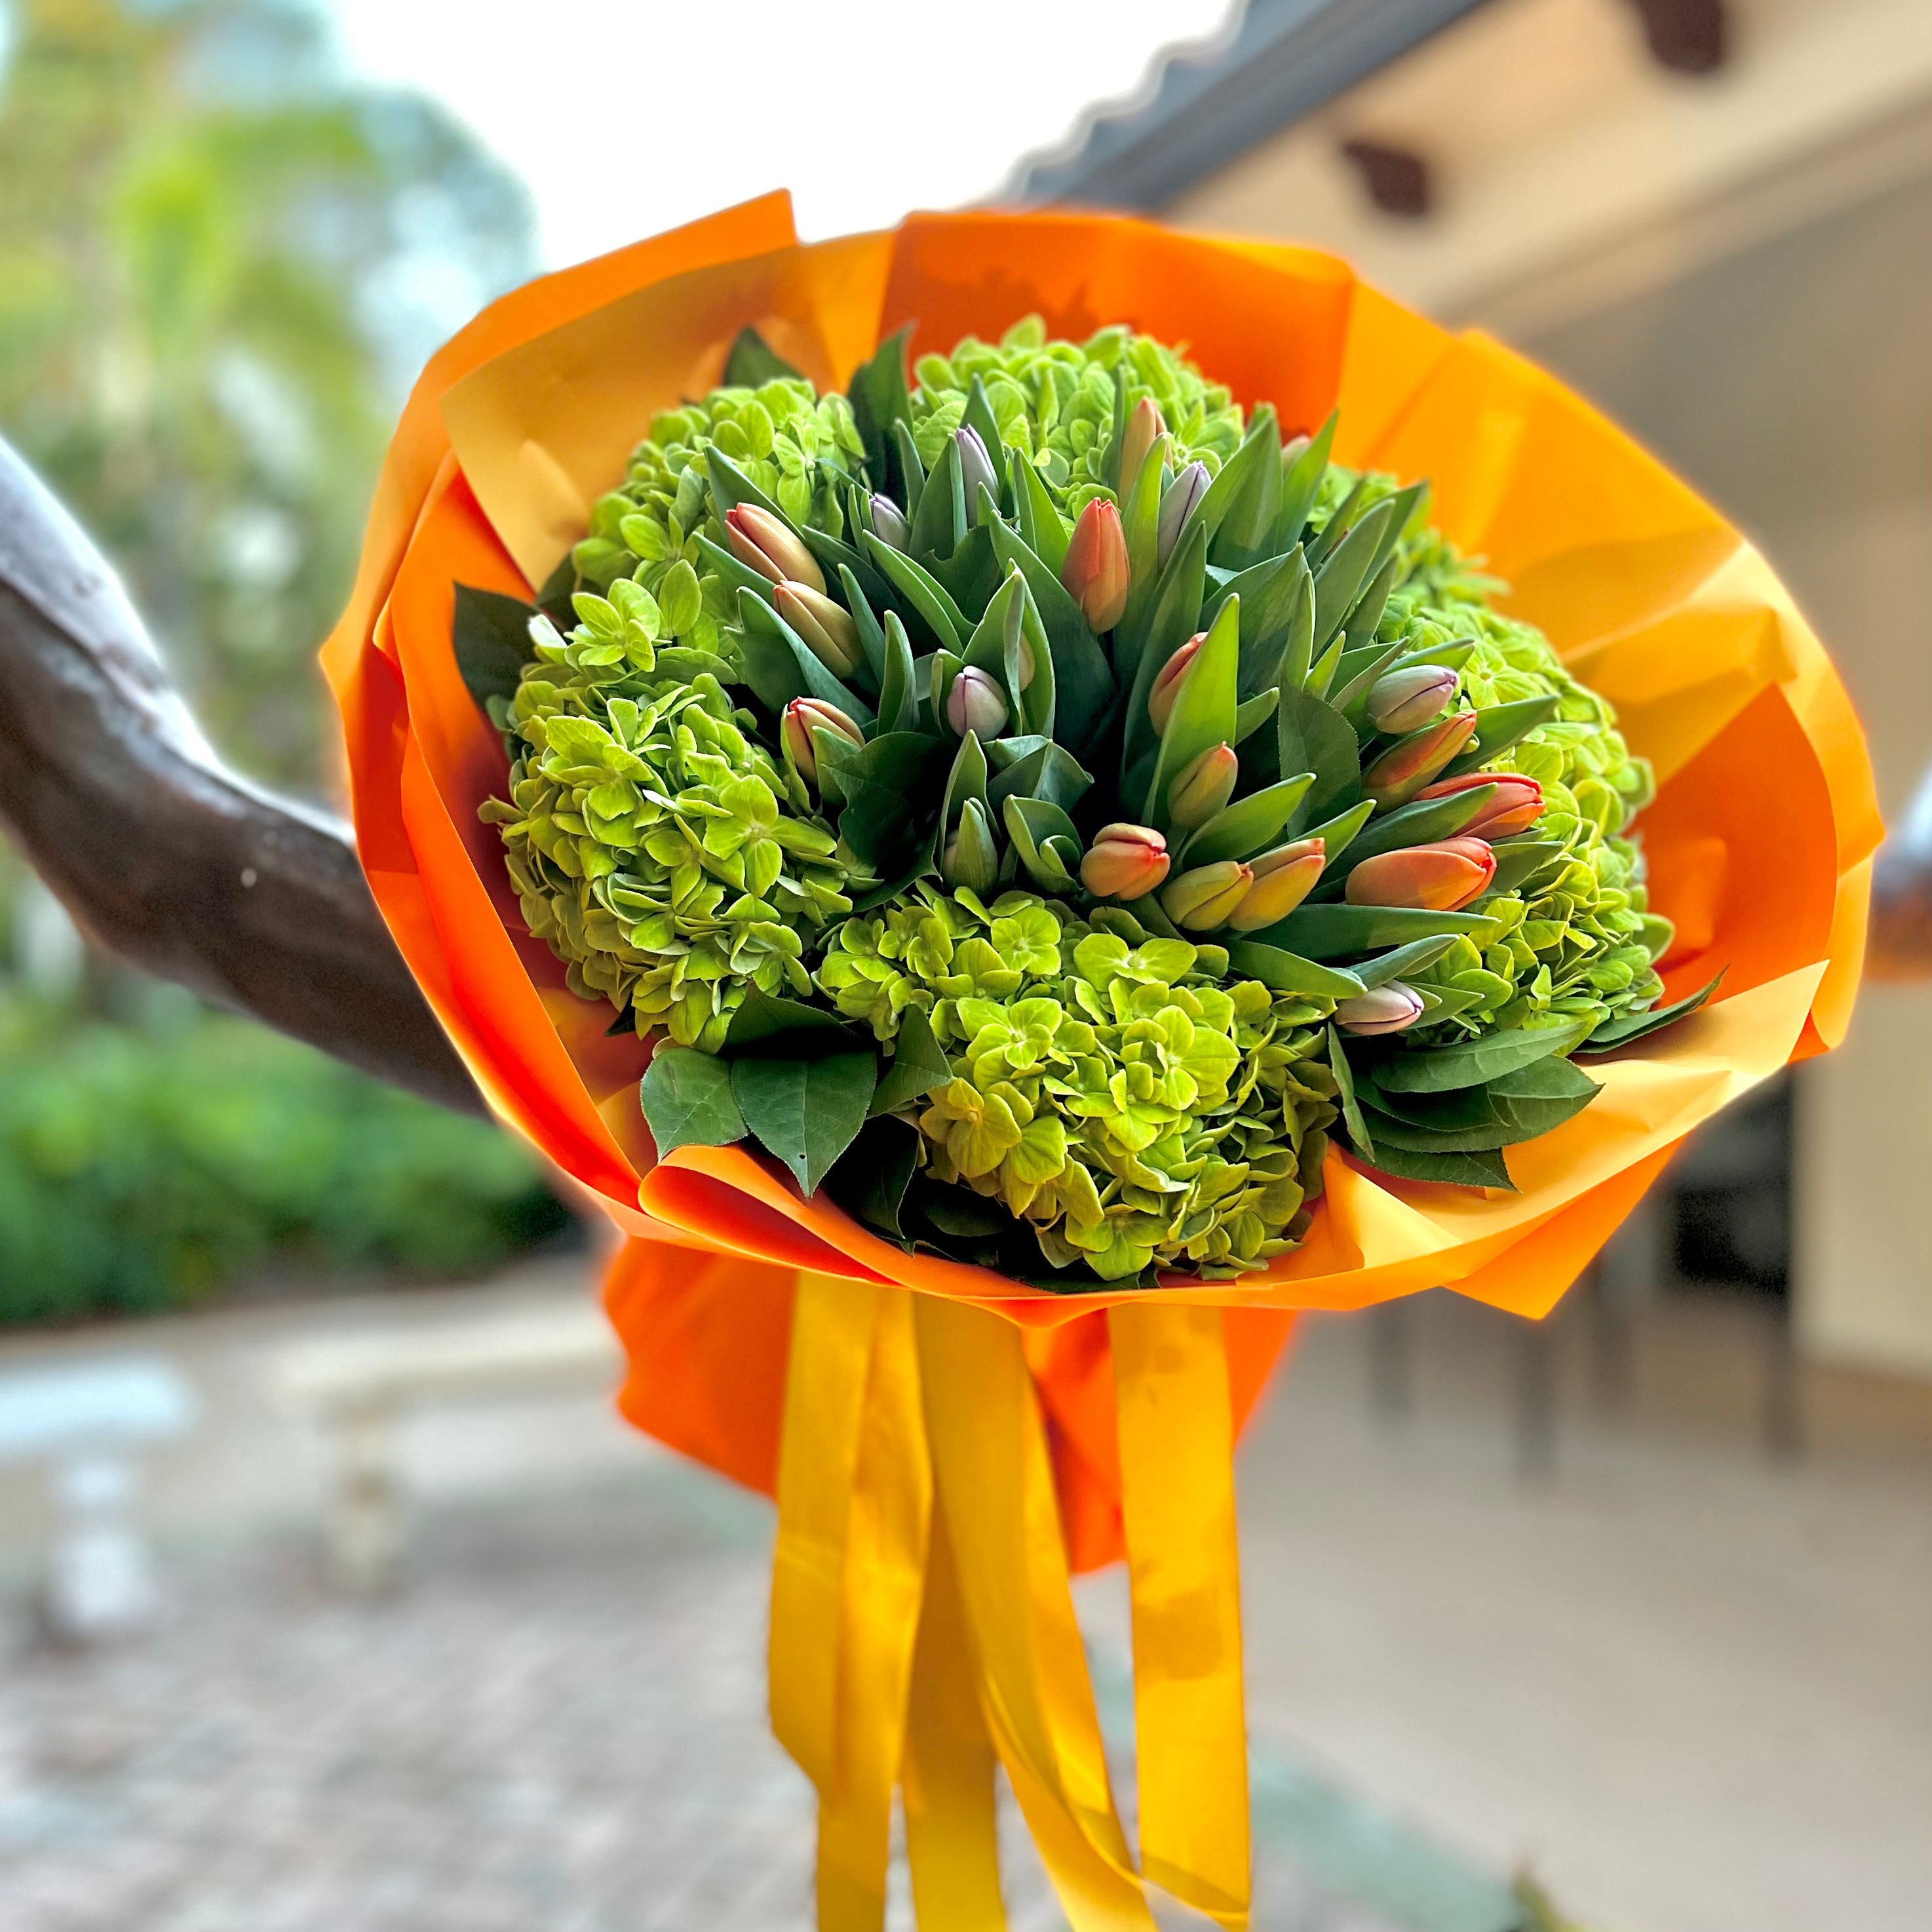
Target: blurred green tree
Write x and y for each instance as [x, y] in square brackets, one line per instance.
[221, 260]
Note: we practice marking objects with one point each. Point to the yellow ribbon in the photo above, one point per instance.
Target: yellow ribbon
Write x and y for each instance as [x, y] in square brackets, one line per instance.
[923, 1619]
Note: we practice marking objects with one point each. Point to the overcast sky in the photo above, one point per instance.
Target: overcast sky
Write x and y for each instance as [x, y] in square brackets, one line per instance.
[626, 117]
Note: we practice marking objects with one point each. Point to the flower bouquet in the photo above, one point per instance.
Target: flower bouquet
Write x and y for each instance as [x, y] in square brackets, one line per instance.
[898, 776]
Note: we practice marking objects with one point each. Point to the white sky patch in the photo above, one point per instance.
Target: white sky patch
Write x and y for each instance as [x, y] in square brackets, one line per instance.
[627, 117]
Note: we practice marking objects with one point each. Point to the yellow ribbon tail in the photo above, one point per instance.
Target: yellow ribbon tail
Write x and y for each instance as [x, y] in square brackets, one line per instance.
[923, 1624]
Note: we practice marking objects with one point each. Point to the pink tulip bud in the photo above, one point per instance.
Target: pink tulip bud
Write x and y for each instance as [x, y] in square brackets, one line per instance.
[1144, 423]
[1390, 1009]
[1167, 684]
[1516, 806]
[1124, 862]
[1202, 787]
[1407, 766]
[889, 522]
[761, 542]
[1096, 571]
[1183, 495]
[804, 715]
[1405, 700]
[1442, 877]
[975, 703]
[1202, 898]
[826, 627]
[1283, 878]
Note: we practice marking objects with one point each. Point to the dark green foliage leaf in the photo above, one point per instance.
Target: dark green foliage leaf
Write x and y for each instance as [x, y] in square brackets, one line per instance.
[891, 787]
[806, 1113]
[1287, 972]
[1540, 1096]
[688, 1100]
[917, 1065]
[870, 1178]
[554, 599]
[1312, 736]
[492, 637]
[880, 400]
[1456, 1170]
[1499, 728]
[1464, 1107]
[1484, 1136]
[1352, 1112]
[753, 362]
[1626, 1028]
[764, 1016]
[1473, 1063]
[1348, 932]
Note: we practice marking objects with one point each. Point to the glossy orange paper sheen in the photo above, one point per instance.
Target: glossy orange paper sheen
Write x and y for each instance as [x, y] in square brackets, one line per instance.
[1760, 841]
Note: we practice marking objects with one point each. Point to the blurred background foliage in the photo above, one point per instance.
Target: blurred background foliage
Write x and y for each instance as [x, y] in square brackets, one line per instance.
[222, 262]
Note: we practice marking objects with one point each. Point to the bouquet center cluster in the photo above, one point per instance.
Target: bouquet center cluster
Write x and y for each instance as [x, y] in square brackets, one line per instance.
[1032, 798]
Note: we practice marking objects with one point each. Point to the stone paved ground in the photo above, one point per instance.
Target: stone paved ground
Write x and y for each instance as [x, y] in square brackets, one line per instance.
[557, 1726]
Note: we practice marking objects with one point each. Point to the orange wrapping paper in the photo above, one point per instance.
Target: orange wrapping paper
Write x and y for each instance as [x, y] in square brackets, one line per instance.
[1759, 842]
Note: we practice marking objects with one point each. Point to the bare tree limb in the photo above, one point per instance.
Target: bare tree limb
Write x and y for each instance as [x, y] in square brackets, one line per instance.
[165, 857]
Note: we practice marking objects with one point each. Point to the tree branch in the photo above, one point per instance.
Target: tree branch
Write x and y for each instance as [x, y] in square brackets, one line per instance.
[166, 858]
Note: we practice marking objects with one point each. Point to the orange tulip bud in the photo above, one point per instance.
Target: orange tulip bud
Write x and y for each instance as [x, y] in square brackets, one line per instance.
[1516, 806]
[1201, 899]
[1408, 764]
[761, 542]
[1144, 423]
[1124, 862]
[826, 627]
[1283, 878]
[1202, 787]
[1096, 573]
[1167, 684]
[804, 715]
[1442, 877]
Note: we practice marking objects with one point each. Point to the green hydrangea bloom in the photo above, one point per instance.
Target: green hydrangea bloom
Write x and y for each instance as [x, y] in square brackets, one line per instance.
[663, 854]
[1054, 401]
[1110, 1088]
[799, 447]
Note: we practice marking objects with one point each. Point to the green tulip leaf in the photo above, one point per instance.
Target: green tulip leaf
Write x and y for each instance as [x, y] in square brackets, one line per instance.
[943, 619]
[1203, 715]
[899, 683]
[1262, 444]
[1249, 825]
[1252, 713]
[1083, 682]
[764, 634]
[1312, 736]
[1302, 472]
[1517, 865]
[1046, 771]
[1042, 528]
[1422, 822]
[1246, 534]
[1628, 1027]
[1403, 961]
[1347, 570]
[880, 401]
[1338, 834]
[1318, 547]
[1141, 652]
[1345, 1084]
[1288, 973]
[1347, 931]
[890, 787]
[1499, 728]
[940, 527]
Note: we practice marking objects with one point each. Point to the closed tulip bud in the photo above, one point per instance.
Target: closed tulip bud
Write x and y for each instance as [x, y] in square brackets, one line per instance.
[1184, 495]
[1144, 423]
[1283, 878]
[1201, 899]
[1167, 684]
[1202, 787]
[1405, 700]
[826, 627]
[1442, 877]
[975, 703]
[1516, 806]
[976, 468]
[889, 522]
[761, 542]
[1390, 1009]
[1096, 571]
[1124, 862]
[1406, 767]
[972, 855]
[804, 715]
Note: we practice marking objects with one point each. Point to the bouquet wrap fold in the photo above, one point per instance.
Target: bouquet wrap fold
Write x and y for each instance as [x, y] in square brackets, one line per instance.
[942, 1459]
